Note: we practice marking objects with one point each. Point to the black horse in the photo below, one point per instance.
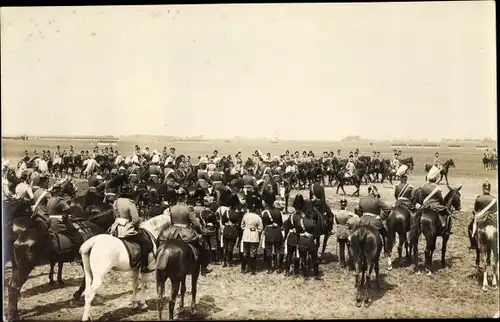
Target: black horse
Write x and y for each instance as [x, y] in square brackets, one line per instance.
[35, 245]
[398, 222]
[427, 222]
[175, 260]
[365, 247]
[444, 171]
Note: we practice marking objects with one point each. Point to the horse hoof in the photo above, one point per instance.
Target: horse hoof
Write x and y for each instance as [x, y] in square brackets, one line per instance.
[61, 282]
[51, 282]
[367, 302]
[389, 268]
[358, 303]
[417, 273]
[428, 273]
[494, 287]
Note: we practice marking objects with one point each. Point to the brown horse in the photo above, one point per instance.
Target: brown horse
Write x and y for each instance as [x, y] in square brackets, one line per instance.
[175, 260]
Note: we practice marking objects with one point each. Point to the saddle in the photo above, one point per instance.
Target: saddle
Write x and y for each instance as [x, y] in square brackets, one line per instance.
[134, 252]
[61, 245]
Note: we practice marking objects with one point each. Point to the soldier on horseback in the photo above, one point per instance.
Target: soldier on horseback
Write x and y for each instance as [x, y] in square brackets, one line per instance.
[433, 199]
[23, 190]
[373, 211]
[438, 163]
[403, 193]
[484, 206]
[186, 226]
[126, 226]
[58, 206]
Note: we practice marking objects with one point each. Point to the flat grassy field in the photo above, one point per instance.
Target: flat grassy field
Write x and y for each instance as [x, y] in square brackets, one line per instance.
[226, 294]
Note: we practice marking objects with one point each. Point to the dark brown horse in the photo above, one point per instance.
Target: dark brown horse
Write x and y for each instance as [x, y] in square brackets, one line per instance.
[35, 246]
[175, 260]
[427, 222]
[365, 247]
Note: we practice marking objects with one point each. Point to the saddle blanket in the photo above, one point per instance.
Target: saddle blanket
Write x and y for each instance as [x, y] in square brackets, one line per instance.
[134, 253]
[61, 244]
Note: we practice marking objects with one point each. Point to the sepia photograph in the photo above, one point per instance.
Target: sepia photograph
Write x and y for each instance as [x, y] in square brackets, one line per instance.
[249, 161]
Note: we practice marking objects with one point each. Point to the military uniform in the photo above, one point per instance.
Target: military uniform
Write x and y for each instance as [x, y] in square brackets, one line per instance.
[249, 182]
[210, 224]
[272, 220]
[307, 246]
[57, 206]
[230, 225]
[155, 174]
[431, 197]
[485, 209]
[342, 218]
[185, 225]
[402, 194]
[292, 241]
[252, 227]
[371, 208]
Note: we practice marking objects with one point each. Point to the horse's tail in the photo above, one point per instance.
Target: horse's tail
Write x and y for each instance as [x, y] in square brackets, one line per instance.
[85, 253]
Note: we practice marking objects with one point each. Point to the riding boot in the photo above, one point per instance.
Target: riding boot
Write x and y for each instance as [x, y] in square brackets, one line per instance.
[230, 258]
[204, 260]
[296, 264]
[275, 262]
[303, 266]
[71, 232]
[269, 261]
[253, 265]
[473, 241]
[287, 264]
[243, 264]
[316, 270]
[280, 263]
[225, 257]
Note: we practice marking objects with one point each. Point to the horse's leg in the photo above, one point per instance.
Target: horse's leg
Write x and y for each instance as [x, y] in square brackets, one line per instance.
[161, 278]
[93, 280]
[446, 237]
[173, 295]
[485, 261]
[358, 282]
[194, 289]
[51, 272]
[183, 292]
[142, 304]
[367, 285]
[19, 277]
[135, 286]
[429, 252]
[78, 294]
[59, 273]
[325, 241]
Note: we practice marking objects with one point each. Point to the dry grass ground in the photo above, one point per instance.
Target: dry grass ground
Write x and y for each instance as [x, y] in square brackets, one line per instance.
[226, 294]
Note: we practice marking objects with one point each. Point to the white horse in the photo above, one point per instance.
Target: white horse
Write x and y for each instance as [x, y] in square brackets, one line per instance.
[486, 249]
[104, 252]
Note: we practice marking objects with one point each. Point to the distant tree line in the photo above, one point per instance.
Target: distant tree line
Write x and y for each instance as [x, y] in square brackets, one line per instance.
[17, 137]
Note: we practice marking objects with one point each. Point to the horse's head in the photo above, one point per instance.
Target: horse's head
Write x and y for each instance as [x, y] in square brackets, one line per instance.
[453, 198]
[450, 163]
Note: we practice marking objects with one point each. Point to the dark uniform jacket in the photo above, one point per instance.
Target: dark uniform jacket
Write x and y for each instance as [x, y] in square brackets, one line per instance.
[231, 221]
[436, 201]
[291, 233]
[371, 207]
[402, 194]
[272, 220]
[249, 181]
[185, 225]
[317, 190]
[209, 221]
[488, 217]
[306, 230]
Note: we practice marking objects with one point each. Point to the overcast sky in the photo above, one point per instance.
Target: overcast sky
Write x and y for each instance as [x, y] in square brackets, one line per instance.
[304, 71]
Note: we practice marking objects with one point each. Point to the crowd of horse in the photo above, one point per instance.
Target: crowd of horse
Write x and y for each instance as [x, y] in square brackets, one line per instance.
[29, 244]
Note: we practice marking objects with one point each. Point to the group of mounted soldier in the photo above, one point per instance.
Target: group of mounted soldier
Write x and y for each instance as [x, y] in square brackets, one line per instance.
[221, 203]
